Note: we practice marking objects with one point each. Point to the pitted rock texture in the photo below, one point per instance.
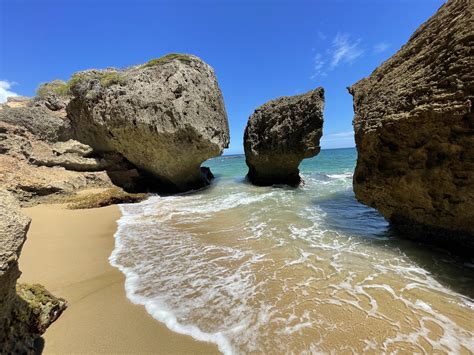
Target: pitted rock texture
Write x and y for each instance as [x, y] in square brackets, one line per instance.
[414, 131]
[26, 311]
[37, 117]
[280, 134]
[166, 116]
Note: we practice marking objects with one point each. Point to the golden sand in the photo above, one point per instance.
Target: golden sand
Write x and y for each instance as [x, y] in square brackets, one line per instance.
[67, 251]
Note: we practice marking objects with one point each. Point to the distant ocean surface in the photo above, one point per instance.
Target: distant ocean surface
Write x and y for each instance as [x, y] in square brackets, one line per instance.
[283, 270]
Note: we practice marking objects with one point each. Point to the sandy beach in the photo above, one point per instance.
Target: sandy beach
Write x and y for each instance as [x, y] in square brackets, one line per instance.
[67, 251]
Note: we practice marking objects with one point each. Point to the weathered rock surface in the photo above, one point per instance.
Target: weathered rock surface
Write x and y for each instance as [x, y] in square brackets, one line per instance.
[166, 117]
[23, 174]
[280, 134]
[414, 130]
[37, 118]
[24, 314]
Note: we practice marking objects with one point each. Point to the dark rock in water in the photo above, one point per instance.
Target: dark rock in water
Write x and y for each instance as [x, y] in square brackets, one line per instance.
[166, 117]
[414, 130]
[26, 311]
[207, 174]
[280, 134]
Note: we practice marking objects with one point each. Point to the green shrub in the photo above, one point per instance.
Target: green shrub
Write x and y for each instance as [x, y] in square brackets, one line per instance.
[58, 87]
[166, 59]
[62, 88]
[111, 78]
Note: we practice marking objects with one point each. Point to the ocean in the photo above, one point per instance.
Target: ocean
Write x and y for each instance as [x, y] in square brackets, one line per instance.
[280, 270]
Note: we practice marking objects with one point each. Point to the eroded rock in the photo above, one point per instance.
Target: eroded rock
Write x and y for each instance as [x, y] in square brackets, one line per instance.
[35, 116]
[280, 134]
[166, 117]
[414, 130]
[22, 174]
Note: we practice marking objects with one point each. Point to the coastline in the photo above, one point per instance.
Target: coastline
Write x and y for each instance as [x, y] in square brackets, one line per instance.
[67, 251]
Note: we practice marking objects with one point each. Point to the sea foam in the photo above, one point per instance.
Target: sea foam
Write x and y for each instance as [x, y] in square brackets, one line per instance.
[285, 270]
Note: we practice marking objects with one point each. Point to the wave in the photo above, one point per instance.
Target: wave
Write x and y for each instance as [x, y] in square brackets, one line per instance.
[282, 270]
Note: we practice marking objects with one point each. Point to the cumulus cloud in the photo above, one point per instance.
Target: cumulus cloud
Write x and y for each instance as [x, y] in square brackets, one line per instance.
[5, 91]
[342, 50]
[381, 47]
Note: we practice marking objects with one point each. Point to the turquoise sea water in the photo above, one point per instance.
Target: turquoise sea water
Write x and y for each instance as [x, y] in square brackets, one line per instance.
[291, 270]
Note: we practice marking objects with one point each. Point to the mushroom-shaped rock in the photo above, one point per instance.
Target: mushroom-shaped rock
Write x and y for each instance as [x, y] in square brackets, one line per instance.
[166, 116]
[280, 134]
[414, 130]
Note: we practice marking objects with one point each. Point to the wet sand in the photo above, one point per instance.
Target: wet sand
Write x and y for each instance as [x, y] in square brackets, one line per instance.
[67, 251]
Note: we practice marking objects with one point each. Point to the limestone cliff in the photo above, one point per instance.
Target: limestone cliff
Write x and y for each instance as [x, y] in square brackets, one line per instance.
[280, 134]
[166, 116]
[414, 130]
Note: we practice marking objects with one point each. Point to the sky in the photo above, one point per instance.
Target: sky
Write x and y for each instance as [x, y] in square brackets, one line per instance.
[259, 49]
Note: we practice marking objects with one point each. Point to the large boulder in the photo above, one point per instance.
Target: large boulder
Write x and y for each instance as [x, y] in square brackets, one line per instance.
[280, 134]
[26, 311]
[414, 130]
[166, 117]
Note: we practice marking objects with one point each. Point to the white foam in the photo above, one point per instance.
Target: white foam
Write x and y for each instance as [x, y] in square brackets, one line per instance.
[214, 284]
[340, 176]
[154, 307]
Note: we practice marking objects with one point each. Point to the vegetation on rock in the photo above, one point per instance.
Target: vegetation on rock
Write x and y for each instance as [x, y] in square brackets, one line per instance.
[111, 78]
[166, 59]
[58, 87]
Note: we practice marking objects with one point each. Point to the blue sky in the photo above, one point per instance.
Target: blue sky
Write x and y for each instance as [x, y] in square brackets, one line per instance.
[260, 50]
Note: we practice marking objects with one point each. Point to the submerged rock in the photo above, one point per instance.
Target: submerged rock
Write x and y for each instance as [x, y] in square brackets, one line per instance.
[26, 311]
[414, 130]
[280, 134]
[166, 117]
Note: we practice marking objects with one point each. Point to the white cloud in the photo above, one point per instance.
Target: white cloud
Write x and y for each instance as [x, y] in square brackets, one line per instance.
[381, 47]
[340, 135]
[5, 90]
[318, 66]
[344, 50]
[338, 140]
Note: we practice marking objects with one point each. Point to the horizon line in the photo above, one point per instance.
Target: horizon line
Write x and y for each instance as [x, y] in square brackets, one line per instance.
[242, 153]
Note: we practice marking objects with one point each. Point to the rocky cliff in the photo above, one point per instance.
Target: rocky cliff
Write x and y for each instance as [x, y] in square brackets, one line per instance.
[280, 134]
[26, 311]
[166, 116]
[414, 130]
[38, 158]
